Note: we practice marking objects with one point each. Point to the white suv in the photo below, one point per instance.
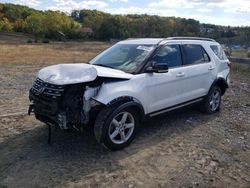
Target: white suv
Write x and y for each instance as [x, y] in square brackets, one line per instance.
[132, 80]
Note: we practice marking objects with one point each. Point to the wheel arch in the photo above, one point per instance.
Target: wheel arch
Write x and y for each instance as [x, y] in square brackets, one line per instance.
[221, 83]
[111, 108]
[128, 101]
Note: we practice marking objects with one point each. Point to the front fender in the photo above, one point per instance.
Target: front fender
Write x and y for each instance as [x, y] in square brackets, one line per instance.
[122, 90]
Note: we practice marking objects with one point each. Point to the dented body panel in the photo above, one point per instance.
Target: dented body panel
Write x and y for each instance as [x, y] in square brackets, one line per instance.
[67, 94]
[132, 88]
[64, 74]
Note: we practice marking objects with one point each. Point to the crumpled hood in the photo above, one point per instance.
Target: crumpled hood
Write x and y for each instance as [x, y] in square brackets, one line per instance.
[77, 73]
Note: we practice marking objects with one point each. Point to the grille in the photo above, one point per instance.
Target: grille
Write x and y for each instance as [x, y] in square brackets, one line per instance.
[47, 90]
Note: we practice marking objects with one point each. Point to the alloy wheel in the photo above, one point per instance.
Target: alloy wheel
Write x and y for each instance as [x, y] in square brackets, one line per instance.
[121, 127]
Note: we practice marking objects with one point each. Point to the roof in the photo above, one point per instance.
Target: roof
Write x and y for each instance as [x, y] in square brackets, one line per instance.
[142, 41]
[191, 38]
[155, 41]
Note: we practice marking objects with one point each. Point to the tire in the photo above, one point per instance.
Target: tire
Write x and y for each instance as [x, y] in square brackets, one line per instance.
[115, 127]
[212, 101]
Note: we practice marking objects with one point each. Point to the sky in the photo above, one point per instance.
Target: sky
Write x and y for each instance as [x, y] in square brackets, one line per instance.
[219, 12]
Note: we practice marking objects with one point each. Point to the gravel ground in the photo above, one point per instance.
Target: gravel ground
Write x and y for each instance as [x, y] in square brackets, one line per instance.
[184, 148]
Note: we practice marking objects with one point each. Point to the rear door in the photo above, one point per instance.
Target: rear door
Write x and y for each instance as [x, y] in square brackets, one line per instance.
[198, 69]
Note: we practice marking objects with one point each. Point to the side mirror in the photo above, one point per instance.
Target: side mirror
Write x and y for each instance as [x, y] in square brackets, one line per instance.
[157, 67]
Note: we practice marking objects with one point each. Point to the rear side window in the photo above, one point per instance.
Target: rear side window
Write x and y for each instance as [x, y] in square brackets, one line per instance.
[219, 52]
[194, 54]
[170, 55]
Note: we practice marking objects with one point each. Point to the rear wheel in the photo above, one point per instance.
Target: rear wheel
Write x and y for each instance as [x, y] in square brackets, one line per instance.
[212, 101]
[116, 127]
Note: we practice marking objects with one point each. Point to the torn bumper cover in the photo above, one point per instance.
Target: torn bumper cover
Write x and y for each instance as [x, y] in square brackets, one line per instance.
[62, 94]
[45, 101]
[65, 106]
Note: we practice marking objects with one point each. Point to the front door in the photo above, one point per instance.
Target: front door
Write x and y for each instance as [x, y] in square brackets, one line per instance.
[165, 89]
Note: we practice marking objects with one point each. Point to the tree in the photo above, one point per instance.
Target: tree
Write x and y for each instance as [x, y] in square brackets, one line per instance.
[20, 25]
[36, 24]
[5, 25]
[55, 24]
[58, 22]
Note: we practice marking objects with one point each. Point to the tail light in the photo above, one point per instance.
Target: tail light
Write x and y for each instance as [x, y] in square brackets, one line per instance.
[229, 64]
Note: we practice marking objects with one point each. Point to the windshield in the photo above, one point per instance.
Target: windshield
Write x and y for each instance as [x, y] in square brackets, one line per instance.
[126, 57]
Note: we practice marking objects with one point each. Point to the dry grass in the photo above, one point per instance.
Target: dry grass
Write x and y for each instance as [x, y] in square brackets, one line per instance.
[240, 69]
[239, 53]
[184, 149]
[54, 53]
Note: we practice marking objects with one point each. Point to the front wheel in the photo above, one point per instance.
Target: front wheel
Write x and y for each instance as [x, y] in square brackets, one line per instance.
[212, 101]
[116, 128]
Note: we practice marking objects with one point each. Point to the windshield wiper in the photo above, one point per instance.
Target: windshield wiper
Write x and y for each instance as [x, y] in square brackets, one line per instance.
[103, 65]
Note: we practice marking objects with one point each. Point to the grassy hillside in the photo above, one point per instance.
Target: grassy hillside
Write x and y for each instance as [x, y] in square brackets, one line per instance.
[97, 25]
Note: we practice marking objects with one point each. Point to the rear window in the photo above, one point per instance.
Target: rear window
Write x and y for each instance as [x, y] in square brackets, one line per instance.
[194, 54]
[219, 52]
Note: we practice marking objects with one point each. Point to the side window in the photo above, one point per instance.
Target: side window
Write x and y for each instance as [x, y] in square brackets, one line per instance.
[206, 57]
[169, 54]
[194, 54]
[219, 52]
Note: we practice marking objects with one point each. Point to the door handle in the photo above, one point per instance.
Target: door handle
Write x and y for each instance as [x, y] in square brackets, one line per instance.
[211, 68]
[180, 74]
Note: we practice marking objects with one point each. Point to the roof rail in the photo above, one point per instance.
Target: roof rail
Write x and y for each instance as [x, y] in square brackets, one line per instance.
[190, 38]
[161, 41]
[131, 38]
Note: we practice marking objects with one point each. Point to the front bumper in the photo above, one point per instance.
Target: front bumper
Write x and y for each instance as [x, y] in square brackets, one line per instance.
[45, 101]
[45, 118]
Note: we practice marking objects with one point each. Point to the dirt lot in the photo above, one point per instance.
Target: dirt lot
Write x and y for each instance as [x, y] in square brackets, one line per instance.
[181, 149]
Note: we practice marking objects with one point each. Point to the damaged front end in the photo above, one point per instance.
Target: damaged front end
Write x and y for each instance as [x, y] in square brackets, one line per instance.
[67, 106]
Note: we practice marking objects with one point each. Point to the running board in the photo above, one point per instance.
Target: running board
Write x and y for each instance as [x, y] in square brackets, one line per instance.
[175, 107]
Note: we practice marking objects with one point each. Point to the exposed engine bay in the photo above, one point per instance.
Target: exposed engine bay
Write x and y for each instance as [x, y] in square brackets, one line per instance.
[63, 94]
[66, 106]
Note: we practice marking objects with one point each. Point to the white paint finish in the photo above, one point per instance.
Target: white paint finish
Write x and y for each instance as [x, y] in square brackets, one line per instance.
[221, 67]
[155, 91]
[142, 41]
[63, 74]
[111, 73]
[154, 41]
[134, 87]
[90, 92]
[197, 80]
[67, 73]
[179, 85]
[163, 89]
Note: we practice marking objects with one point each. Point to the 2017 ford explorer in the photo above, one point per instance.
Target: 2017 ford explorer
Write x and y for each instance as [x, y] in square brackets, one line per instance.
[132, 80]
